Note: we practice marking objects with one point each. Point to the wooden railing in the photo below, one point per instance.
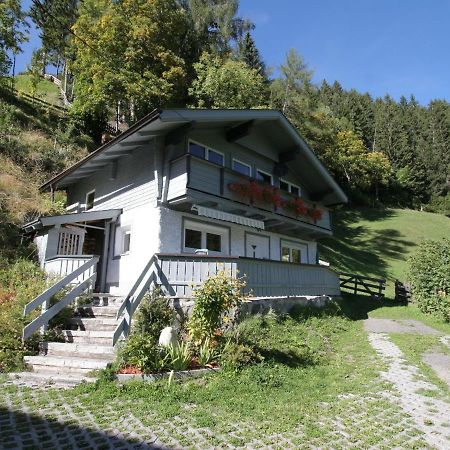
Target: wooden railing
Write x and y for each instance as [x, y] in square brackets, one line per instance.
[65, 265]
[359, 284]
[86, 276]
[179, 274]
[147, 278]
[191, 172]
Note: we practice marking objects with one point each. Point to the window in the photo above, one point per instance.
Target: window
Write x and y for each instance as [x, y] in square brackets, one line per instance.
[199, 235]
[263, 176]
[122, 242]
[241, 167]
[90, 196]
[206, 153]
[289, 187]
[294, 252]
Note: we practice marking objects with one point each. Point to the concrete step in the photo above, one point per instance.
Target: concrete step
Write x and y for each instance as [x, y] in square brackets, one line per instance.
[98, 311]
[89, 337]
[65, 365]
[93, 324]
[36, 379]
[81, 350]
[106, 299]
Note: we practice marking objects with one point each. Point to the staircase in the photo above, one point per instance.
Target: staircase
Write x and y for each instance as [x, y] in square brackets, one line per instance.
[88, 346]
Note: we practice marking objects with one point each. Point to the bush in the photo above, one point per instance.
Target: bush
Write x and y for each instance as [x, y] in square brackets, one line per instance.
[140, 351]
[235, 356]
[213, 300]
[429, 273]
[153, 315]
[20, 282]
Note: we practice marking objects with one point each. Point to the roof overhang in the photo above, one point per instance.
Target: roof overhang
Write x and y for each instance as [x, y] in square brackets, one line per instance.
[75, 218]
[239, 124]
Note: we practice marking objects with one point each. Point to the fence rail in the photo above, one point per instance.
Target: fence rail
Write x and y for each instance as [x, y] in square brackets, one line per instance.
[359, 284]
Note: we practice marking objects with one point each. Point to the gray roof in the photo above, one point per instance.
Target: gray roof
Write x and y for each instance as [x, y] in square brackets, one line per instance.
[272, 125]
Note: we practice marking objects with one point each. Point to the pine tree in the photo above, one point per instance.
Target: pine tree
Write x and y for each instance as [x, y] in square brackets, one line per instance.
[249, 53]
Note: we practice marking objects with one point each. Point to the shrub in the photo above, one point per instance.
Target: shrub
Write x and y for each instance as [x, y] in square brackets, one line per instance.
[153, 315]
[179, 356]
[140, 351]
[217, 296]
[20, 282]
[429, 273]
[235, 356]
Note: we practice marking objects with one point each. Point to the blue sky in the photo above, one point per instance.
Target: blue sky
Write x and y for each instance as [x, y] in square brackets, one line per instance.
[400, 47]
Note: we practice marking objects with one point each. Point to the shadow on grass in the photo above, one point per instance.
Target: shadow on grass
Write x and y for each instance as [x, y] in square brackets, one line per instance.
[360, 249]
[357, 307]
[30, 431]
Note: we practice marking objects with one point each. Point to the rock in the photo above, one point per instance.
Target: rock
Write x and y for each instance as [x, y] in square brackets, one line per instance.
[168, 337]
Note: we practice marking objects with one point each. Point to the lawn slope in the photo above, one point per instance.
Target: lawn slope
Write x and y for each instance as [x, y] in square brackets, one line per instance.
[378, 242]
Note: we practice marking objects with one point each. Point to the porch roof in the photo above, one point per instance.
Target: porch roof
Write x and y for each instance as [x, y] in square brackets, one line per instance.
[85, 216]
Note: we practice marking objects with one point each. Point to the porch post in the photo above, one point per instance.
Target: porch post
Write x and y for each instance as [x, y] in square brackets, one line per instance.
[105, 255]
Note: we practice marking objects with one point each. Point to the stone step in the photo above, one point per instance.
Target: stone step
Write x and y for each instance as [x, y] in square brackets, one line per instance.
[89, 337]
[54, 380]
[106, 299]
[65, 365]
[81, 350]
[93, 324]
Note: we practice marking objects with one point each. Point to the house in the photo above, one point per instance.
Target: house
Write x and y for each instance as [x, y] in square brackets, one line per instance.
[235, 186]
[177, 197]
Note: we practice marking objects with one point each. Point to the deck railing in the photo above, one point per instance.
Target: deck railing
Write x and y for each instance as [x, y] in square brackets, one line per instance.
[80, 280]
[179, 274]
[65, 265]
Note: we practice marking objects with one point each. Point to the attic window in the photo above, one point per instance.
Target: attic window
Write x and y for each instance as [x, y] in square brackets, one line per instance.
[206, 153]
[264, 177]
[90, 196]
[289, 187]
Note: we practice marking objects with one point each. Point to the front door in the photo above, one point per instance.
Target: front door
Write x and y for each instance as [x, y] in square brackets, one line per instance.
[257, 246]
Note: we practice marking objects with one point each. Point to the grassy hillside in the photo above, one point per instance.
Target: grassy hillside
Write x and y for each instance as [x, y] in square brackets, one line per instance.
[46, 90]
[378, 242]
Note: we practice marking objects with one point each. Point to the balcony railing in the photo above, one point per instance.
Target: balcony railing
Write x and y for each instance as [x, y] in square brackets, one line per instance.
[190, 172]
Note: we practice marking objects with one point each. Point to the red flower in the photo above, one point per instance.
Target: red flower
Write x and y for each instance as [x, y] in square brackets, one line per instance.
[315, 213]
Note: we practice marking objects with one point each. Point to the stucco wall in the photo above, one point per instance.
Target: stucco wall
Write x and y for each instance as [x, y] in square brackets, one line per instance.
[171, 236]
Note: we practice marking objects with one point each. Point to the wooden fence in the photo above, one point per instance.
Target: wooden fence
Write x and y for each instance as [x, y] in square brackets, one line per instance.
[402, 292]
[358, 284]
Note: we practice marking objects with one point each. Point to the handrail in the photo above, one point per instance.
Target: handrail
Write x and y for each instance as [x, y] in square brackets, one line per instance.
[42, 299]
[147, 277]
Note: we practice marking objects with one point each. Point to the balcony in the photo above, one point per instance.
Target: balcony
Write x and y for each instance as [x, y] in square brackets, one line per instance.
[197, 181]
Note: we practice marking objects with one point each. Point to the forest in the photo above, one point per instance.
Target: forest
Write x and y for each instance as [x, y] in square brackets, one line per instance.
[117, 60]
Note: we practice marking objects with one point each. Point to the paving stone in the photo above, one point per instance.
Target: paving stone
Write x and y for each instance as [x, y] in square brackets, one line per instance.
[397, 326]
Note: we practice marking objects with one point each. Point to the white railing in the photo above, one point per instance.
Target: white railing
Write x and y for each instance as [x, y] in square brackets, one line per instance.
[61, 266]
[83, 277]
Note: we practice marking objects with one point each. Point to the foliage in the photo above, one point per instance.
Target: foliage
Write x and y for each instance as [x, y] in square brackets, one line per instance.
[207, 353]
[139, 350]
[249, 53]
[179, 356]
[213, 300]
[235, 356]
[429, 272]
[226, 83]
[153, 315]
[19, 283]
[130, 58]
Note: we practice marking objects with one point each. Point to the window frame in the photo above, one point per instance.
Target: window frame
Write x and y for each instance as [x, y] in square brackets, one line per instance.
[119, 240]
[207, 150]
[265, 173]
[242, 163]
[206, 228]
[302, 247]
[290, 186]
[86, 200]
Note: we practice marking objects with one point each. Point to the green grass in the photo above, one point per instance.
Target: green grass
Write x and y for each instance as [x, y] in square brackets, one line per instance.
[46, 90]
[378, 242]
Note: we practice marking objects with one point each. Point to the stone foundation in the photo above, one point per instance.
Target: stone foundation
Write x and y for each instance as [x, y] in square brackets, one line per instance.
[257, 305]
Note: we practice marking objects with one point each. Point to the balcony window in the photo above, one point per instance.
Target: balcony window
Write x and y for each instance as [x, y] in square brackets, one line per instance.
[289, 187]
[197, 150]
[264, 177]
[206, 153]
[242, 168]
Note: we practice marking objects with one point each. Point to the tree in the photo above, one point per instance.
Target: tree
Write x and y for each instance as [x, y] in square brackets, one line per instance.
[249, 54]
[130, 57]
[226, 83]
[35, 70]
[13, 32]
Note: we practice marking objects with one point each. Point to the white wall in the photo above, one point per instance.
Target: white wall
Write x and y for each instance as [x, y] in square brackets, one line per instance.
[171, 235]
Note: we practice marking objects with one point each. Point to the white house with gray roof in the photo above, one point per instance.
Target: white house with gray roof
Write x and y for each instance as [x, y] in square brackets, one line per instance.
[202, 190]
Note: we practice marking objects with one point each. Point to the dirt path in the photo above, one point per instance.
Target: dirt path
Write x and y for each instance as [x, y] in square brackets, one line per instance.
[413, 391]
